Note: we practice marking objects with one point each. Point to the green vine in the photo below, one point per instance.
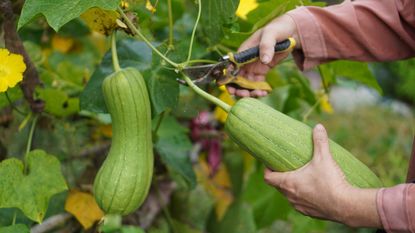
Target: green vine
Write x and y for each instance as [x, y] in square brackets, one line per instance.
[180, 66]
[194, 31]
[29, 141]
[171, 46]
[141, 36]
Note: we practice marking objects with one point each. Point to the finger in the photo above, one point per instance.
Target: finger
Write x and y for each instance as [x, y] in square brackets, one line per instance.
[242, 93]
[231, 90]
[256, 93]
[266, 46]
[252, 41]
[274, 178]
[321, 142]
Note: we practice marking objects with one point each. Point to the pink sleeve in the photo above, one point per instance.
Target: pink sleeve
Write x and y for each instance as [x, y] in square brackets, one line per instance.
[361, 30]
[396, 208]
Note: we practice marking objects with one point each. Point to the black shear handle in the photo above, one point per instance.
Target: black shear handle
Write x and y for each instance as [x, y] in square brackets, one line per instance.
[249, 55]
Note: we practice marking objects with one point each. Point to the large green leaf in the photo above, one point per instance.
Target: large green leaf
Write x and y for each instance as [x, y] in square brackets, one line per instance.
[30, 192]
[267, 203]
[192, 207]
[60, 12]
[173, 145]
[357, 71]
[238, 219]
[216, 15]
[131, 53]
[18, 228]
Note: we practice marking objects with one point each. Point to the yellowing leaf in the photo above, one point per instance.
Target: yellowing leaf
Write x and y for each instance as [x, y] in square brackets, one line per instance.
[99, 20]
[62, 44]
[246, 6]
[83, 206]
[219, 113]
[217, 186]
[150, 6]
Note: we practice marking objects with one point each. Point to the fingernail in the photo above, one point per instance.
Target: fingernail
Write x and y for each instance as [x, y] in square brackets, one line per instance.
[265, 59]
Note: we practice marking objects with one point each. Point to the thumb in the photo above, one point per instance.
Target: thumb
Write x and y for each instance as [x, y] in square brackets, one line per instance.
[274, 178]
[321, 142]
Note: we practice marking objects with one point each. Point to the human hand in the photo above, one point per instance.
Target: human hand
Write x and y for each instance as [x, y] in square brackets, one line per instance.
[319, 189]
[279, 29]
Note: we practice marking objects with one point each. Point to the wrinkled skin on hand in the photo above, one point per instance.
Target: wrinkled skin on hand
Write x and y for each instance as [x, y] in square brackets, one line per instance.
[277, 30]
[319, 189]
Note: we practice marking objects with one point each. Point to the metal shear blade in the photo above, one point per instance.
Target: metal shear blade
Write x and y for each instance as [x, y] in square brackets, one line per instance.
[202, 74]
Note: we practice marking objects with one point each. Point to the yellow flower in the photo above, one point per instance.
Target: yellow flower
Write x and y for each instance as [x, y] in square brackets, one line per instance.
[246, 6]
[12, 67]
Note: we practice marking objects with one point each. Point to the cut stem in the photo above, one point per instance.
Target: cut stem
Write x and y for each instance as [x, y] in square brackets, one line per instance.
[141, 36]
[206, 95]
[115, 61]
[194, 31]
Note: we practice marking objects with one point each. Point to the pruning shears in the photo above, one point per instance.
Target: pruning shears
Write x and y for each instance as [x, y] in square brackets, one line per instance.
[225, 72]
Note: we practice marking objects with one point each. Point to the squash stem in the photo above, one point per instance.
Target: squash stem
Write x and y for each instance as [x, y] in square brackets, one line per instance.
[206, 95]
[115, 62]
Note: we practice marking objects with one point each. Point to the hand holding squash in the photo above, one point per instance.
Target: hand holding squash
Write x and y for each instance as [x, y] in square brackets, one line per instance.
[320, 189]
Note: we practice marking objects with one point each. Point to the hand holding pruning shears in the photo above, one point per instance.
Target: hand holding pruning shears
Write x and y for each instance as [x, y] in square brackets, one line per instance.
[241, 72]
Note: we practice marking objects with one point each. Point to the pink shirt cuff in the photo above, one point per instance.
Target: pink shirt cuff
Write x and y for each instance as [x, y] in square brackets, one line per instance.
[311, 39]
[396, 208]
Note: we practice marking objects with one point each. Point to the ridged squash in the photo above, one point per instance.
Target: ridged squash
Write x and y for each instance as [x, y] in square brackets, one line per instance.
[284, 144]
[123, 181]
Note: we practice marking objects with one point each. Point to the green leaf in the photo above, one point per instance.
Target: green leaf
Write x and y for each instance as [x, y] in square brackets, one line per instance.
[217, 14]
[131, 53]
[58, 103]
[8, 214]
[30, 192]
[14, 93]
[163, 90]
[301, 223]
[357, 71]
[238, 219]
[173, 145]
[267, 203]
[192, 207]
[60, 12]
[18, 228]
